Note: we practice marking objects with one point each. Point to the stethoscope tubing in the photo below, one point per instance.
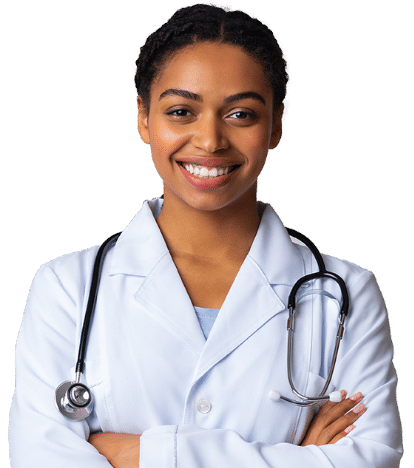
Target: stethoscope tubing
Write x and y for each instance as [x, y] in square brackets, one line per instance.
[75, 412]
[93, 294]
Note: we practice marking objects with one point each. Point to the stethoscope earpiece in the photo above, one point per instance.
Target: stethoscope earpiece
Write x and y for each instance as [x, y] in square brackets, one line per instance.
[74, 400]
[335, 397]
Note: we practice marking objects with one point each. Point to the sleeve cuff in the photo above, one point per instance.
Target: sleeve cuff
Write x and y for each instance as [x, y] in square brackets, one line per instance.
[158, 447]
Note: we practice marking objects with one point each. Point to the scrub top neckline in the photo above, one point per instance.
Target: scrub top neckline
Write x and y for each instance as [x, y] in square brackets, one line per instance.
[206, 318]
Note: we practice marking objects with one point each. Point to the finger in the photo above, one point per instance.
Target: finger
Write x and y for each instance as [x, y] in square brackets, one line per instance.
[348, 418]
[330, 404]
[337, 410]
[341, 425]
[342, 434]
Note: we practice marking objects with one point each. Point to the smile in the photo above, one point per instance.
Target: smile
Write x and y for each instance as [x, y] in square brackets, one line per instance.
[207, 172]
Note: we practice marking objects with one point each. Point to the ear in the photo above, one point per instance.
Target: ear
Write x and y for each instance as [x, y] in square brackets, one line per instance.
[143, 128]
[277, 127]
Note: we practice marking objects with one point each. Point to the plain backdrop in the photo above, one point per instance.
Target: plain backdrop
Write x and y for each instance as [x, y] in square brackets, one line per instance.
[75, 171]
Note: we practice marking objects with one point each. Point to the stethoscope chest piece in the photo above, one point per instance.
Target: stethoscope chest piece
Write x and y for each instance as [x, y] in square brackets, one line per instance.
[74, 400]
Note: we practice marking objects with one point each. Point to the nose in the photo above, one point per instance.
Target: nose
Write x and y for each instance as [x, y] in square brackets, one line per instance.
[209, 135]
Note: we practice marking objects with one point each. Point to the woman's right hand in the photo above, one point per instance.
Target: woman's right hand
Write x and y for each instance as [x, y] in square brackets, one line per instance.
[334, 420]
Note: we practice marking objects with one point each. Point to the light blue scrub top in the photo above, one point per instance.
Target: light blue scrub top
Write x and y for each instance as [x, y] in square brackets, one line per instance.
[206, 317]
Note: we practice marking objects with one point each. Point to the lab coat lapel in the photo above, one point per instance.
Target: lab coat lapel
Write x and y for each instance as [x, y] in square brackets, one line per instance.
[141, 251]
[252, 301]
[165, 298]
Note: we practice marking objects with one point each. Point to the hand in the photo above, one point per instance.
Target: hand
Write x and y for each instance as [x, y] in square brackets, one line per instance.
[334, 421]
[121, 450]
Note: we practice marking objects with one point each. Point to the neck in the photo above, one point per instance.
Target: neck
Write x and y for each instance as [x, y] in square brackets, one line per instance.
[223, 233]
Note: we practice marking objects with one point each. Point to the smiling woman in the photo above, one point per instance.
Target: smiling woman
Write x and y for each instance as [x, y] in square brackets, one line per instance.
[188, 343]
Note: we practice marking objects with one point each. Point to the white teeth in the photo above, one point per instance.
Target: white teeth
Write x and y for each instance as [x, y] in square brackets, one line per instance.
[205, 172]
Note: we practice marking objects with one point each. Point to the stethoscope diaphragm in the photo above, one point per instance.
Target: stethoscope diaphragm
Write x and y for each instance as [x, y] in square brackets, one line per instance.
[74, 400]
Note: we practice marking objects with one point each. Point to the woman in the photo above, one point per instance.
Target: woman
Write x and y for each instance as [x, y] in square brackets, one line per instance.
[170, 389]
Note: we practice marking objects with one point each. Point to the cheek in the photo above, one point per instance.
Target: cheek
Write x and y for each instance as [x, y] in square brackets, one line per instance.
[256, 144]
[165, 141]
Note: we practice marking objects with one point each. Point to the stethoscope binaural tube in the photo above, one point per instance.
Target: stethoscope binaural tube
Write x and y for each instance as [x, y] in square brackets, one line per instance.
[322, 273]
[74, 400]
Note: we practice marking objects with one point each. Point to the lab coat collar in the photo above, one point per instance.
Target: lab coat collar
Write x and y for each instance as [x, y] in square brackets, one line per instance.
[274, 252]
[141, 246]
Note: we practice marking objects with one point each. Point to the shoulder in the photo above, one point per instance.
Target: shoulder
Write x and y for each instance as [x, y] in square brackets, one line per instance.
[349, 271]
[361, 283]
[72, 260]
[367, 309]
[68, 275]
[71, 274]
[73, 264]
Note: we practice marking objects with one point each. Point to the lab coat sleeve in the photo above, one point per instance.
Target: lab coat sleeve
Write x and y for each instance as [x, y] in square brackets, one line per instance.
[365, 364]
[39, 435]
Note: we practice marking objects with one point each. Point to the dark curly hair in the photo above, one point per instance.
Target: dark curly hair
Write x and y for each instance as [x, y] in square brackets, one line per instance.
[208, 23]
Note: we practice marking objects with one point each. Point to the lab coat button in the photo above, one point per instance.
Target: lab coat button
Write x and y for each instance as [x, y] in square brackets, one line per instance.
[204, 406]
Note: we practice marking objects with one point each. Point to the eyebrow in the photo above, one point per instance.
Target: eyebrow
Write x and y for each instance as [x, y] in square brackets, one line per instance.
[246, 95]
[196, 97]
[181, 92]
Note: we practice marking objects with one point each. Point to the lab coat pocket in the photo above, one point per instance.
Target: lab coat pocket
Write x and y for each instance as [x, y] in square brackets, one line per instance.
[92, 375]
[316, 384]
[314, 387]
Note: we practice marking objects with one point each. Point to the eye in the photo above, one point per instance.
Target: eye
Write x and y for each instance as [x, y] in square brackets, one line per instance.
[243, 115]
[179, 113]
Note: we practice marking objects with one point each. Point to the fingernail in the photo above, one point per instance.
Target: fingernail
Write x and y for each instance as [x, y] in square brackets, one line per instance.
[343, 394]
[356, 397]
[359, 409]
[349, 428]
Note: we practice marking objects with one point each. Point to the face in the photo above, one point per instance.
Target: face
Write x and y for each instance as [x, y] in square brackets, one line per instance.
[210, 125]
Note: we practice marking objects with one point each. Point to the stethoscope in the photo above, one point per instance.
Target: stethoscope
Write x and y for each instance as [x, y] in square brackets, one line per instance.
[74, 399]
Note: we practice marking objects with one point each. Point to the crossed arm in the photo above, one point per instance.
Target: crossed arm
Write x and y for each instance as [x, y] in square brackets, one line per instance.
[333, 422]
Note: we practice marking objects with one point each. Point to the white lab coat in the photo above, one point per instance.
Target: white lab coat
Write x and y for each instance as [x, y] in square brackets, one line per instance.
[149, 365]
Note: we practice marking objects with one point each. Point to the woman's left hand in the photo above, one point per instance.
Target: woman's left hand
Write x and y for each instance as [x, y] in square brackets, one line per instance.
[334, 420]
[121, 450]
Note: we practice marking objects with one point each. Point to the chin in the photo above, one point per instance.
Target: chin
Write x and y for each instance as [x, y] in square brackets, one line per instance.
[214, 201]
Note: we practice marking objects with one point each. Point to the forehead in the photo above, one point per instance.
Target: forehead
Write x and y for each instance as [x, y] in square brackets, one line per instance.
[212, 70]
